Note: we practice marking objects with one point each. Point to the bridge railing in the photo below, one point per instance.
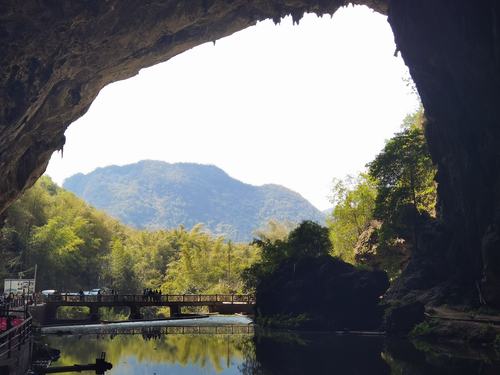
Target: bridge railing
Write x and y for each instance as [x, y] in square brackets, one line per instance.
[13, 339]
[164, 298]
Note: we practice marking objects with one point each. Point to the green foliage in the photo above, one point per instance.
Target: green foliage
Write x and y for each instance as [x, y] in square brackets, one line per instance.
[405, 179]
[274, 230]
[381, 211]
[73, 312]
[307, 240]
[52, 228]
[123, 277]
[114, 313]
[424, 329]
[77, 247]
[284, 321]
[354, 202]
[205, 264]
[153, 195]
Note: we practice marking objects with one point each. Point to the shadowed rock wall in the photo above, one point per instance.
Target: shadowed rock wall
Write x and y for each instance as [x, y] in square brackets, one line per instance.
[452, 48]
[57, 55]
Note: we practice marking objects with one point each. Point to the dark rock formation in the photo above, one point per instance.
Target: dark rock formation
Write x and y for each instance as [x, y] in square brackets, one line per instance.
[57, 55]
[401, 319]
[334, 294]
[452, 49]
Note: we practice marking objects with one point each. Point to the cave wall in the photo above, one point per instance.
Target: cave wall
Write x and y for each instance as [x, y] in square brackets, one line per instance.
[452, 48]
[57, 54]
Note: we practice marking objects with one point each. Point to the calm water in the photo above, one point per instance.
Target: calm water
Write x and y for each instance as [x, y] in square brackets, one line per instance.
[158, 350]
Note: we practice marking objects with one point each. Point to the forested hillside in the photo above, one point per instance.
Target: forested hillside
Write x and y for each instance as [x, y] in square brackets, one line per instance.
[78, 247]
[158, 195]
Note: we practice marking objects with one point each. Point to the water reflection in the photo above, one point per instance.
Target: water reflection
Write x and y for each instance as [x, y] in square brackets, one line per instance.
[153, 353]
[270, 353]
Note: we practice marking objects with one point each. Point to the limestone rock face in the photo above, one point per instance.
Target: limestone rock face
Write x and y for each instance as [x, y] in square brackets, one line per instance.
[391, 257]
[452, 49]
[57, 55]
[368, 243]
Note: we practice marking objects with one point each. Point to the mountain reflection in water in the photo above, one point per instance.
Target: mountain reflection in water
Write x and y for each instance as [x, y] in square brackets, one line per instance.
[269, 353]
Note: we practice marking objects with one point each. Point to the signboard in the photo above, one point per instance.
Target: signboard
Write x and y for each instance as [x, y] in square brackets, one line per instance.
[19, 286]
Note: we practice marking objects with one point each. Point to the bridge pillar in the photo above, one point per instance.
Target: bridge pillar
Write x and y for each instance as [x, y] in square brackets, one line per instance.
[49, 314]
[135, 313]
[175, 310]
[94, 313]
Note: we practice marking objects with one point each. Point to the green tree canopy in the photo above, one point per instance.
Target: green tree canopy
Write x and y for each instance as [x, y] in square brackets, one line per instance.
[309, 239]
[77, 247]
[405, 177]
[354, 202]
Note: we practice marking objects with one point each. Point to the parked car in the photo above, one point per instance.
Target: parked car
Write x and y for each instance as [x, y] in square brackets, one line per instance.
[95, 291]
[48, 292]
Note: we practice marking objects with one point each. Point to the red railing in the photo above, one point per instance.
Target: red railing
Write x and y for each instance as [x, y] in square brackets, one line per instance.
[13, 339]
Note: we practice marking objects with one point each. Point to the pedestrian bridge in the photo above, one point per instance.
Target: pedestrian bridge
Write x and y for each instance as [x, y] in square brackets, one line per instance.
[221, 303]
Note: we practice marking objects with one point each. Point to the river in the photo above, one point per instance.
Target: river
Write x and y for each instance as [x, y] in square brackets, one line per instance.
[229, 345]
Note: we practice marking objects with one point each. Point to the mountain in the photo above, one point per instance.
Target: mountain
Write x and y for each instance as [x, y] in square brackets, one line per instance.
[154, 195]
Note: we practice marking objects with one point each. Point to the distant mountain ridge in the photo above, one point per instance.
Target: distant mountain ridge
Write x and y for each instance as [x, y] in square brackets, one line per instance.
[154, 195]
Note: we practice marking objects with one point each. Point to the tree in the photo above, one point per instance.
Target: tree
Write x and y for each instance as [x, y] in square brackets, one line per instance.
[202, 264]
[354, 202]
[405, 179]
[308, 240]
[274, 230]
[122, 270]
[77, 247]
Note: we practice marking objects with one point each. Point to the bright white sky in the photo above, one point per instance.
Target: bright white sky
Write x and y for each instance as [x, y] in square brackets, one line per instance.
[290, 105]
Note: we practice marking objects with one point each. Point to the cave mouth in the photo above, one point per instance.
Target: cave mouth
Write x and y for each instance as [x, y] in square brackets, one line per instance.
[309, 84]
[71, 51]
[57, 56]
